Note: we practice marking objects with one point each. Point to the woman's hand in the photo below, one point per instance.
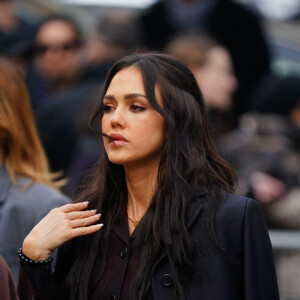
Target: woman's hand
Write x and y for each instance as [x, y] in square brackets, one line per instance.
[59, 226]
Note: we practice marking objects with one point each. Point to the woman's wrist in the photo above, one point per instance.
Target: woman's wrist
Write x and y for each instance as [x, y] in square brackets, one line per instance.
[33, 252]
[25, 259]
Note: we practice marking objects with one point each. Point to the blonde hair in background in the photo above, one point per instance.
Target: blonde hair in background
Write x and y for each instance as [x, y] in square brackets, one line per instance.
[191, 48]
[20, 145]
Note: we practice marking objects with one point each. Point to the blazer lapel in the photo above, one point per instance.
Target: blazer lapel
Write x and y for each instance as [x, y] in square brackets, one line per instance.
[193, 211]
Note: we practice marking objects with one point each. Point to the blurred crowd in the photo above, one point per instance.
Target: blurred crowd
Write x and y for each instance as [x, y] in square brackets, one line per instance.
[254, 113]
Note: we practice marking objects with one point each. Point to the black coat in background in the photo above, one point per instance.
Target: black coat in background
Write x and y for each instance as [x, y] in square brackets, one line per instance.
[233, 25]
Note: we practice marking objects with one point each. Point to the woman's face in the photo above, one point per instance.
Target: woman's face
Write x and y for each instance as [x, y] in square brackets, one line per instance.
[216, 79]
[135, 127]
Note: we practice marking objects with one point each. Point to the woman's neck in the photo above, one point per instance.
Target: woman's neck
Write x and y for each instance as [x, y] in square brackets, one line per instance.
[141, 186]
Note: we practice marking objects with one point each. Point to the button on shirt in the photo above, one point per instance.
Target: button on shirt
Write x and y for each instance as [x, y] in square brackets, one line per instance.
[122, 267]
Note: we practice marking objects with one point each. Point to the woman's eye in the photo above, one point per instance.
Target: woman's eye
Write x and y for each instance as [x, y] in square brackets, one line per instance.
[137, 108]
[107, 108]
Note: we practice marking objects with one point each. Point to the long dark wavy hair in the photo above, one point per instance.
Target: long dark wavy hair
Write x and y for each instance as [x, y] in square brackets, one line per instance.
[189, 162]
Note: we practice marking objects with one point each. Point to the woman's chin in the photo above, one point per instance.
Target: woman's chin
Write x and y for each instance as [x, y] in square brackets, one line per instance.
[119, 160]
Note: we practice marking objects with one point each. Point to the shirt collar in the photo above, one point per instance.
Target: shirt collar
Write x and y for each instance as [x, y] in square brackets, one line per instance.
[121, 230]
[193, 210]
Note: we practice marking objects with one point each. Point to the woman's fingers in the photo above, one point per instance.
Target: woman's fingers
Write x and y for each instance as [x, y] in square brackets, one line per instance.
[86, 230]
[73, 207]
[58, 227]
[80, 214]
[84, 221]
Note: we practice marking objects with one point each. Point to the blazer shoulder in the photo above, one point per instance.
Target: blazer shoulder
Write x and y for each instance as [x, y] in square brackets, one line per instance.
[237, 204]
[235, 209]
[237, 217]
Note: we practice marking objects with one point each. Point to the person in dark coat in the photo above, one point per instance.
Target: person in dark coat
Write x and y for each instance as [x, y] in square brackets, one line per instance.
[232, 24]
[172, 227]
[60, 88]
[55, 66]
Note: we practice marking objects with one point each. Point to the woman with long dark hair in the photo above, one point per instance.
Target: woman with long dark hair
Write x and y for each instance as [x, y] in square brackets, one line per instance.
[172, 227]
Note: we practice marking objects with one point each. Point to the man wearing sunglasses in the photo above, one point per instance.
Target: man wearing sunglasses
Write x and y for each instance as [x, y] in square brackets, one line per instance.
[60, 87]
[58, 44]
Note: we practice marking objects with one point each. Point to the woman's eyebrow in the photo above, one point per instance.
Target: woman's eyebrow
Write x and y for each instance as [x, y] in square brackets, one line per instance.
[127, 96]
[109, 97]
[134, 95]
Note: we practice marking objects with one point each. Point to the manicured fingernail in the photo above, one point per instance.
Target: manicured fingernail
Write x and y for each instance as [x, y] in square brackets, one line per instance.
[99, 225]
[98, 215]
[94, 211]
[85, 202]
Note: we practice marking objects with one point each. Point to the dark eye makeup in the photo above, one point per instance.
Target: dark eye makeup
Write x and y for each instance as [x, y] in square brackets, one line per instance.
[107, 108]
[137, 108]
[133, 107]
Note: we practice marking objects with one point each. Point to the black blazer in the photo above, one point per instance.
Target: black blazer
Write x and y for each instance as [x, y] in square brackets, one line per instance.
[245, 270]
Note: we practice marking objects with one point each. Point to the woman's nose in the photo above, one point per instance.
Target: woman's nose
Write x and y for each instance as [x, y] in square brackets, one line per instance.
[117, 118]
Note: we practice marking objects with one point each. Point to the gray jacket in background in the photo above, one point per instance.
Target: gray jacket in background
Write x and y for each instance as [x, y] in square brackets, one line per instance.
[20, 210]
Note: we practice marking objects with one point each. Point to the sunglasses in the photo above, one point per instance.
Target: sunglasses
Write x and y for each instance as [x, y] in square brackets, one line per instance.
[69, 46]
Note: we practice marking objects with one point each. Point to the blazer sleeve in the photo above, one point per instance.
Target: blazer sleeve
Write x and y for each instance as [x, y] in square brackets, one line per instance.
[259, 268]
[36, 282]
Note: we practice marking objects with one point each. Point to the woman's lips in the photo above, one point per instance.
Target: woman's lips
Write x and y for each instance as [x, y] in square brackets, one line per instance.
[117, 139]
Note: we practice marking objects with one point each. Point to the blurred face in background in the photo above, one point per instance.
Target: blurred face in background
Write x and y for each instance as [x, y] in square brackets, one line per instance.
[57, 51]
[216, 79]
[8, 20]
